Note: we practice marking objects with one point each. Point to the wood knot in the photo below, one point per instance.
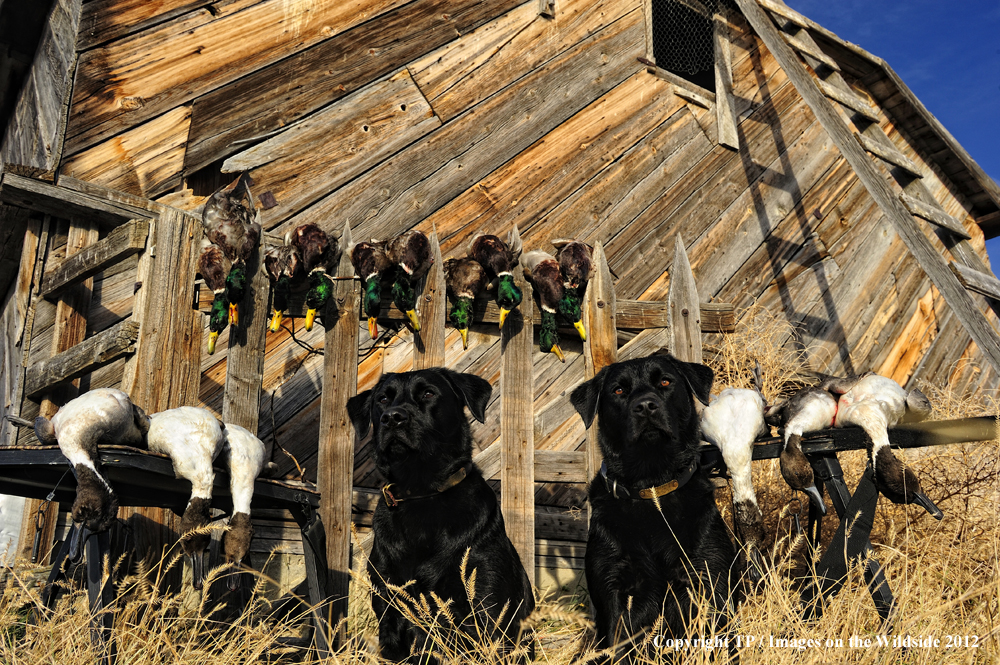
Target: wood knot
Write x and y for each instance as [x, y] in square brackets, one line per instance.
[684, 312]
[600, 304]
[131, 103]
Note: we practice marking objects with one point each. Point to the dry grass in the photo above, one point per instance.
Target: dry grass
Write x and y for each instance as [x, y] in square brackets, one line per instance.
[944, 576]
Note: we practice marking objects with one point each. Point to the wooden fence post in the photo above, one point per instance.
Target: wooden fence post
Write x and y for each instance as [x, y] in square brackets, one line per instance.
[683, 308]
[335, 472]
[428, 347]
[601, 347]
[245, 361]
[517, 428]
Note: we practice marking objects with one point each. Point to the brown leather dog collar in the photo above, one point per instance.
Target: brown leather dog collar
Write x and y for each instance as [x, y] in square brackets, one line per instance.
[649, 493]
[392, 499]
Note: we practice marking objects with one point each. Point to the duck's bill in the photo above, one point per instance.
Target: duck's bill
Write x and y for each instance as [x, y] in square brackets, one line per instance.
[559, 353]
[581, 330]
[816, 498]
[755, 567]
[275, 320]
[925, 501]
[212, 338]
[373, 327]
[77, 540]
[464, 332]
[411, 314]
[234, 314]
[503, 315]
[197, 570]
[233, 578]
[310, 318]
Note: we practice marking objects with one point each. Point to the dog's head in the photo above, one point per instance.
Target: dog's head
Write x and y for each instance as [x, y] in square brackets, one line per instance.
[646, 409]
[418, 420]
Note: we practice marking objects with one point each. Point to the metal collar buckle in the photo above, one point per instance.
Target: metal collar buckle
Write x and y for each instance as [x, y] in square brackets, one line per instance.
[390, 500]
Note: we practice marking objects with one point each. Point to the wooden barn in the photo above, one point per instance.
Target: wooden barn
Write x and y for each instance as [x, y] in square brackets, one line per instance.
[797, 171]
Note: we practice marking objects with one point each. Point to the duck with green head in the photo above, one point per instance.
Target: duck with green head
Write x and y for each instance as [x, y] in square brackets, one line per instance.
[370, 262]
[411, 254]
[547, 280]
[498, 258]
[284, 267]
[213, 266]
[232, 222]
[466, 279]
[575, 263]
[319, 252]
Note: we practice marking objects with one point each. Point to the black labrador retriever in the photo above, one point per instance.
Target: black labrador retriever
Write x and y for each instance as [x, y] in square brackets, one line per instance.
[436, 507]
[656, 536]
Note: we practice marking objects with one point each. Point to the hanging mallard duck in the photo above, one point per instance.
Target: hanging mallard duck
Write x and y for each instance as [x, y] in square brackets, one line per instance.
[284, 267]
[318, 252]
[213, 267]
[499, 258]
[575, 263]
[410, 253]
[466, 279]
[370, 262]
[232, 222]
[547, 280]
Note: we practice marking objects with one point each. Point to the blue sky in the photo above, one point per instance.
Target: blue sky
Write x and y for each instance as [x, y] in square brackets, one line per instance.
[948, 53]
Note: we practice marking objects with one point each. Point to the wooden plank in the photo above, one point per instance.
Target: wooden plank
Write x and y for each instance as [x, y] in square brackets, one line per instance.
[245, 361]
[60, 201]
[547, 8]
[889, 154]
[106, 20]
[138, 205]
[806, 48]
[682, 87]
[33, 142]
[682, 307]
[977, 281]
[146, 160]
[122, 242]
[517, 432]
[900, 219]
[933, 214]
[560, 466]
[330, 70]
[336, 144]
[438, 168]
[428, 347]
[601, 347]
[850, 100]
[83, 358]
[725, 102]
[335, 470]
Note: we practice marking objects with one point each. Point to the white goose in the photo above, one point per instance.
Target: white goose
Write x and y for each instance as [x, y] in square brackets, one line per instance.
[193, 438]
[808, 410]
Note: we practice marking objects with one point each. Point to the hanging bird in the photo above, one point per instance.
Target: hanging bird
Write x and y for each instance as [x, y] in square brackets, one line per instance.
[284, 267]
[876, 403]
[733, 421]
[498, 258]
[370, 262]
[465, 279]
[213, 267]
[411, 254]
[575, 263]
[318, 254]
[808, 410]
[232, 222]
[544, 271]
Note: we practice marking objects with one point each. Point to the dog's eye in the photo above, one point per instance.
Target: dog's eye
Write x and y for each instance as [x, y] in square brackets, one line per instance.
[619, 391]
[428, 394]
[664, 382]
[383, 400]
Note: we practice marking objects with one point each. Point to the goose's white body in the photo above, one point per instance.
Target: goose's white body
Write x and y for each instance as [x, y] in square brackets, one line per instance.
[733, 421]
[875, 403]
[193, 438]
[246, 460]
[104, 415]
[810, 411]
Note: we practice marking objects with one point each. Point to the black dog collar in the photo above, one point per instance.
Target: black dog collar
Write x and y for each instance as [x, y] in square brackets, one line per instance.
[392, 499]
[649, 493]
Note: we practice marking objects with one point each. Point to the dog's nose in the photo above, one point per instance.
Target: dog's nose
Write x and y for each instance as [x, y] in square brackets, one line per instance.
[645, 406]
[394, 416]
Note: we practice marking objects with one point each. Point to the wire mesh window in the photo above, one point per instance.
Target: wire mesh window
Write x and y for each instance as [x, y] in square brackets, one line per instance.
[682, 38]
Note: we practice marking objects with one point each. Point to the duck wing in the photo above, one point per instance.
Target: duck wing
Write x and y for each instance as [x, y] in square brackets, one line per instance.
[213, 265]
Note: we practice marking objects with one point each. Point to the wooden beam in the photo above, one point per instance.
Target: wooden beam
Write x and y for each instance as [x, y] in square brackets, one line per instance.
[934, 214]
[122, 242]
[889, 154]
[60, 201]
[725, 100]
[895, 212]
[245, 361]
[517, 427]
[977, 281]
[335, 466]
[682, 87]
[808, 49]
[851, 101]
[561, 466]
[601, 347]
[432, 305]
[682, 308]
[82, 358]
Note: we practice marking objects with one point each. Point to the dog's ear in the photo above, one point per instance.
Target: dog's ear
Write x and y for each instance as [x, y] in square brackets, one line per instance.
[359, 409]
[698, 377]
[585, 396]
[475, 391]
